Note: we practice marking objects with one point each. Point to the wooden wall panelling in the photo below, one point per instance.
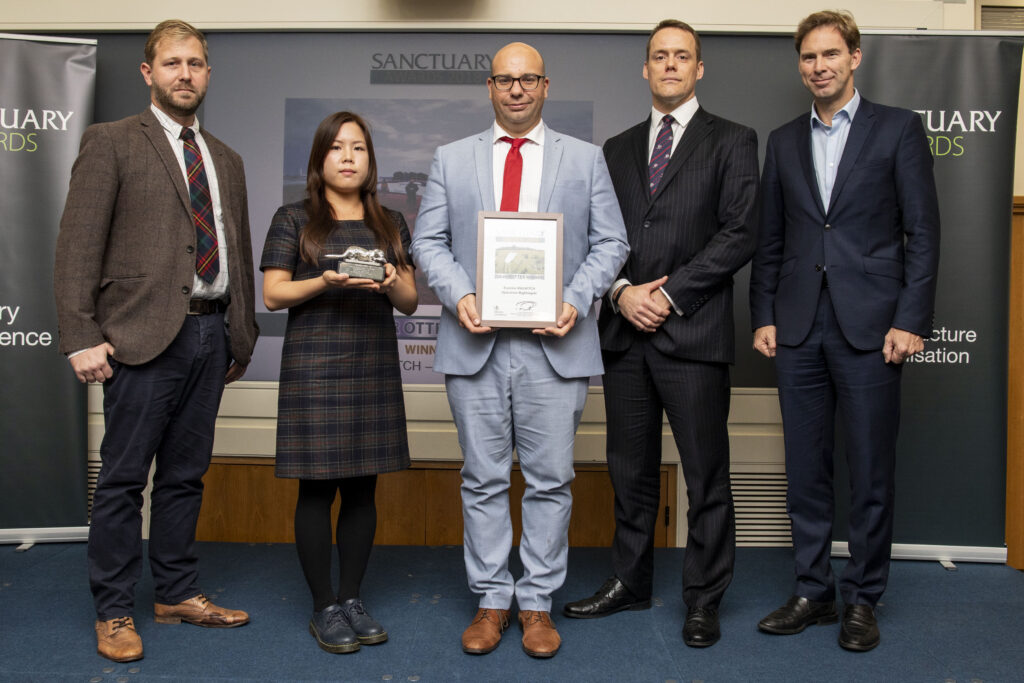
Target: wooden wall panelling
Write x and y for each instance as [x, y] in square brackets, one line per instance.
[245, 502]
[1015, 396]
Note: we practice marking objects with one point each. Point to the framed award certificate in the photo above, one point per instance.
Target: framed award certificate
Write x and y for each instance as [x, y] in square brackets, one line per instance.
[519, 269]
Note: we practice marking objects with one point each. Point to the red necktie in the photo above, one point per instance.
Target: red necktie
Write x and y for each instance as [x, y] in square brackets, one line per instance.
[513, 175]
[207, 260]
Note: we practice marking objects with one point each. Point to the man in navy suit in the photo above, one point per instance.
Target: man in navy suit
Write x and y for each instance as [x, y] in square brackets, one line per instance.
[687, 184]
[842, 291]
[517, 388]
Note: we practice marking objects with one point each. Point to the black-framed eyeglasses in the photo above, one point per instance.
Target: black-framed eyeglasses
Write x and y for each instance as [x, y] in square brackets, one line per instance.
[526, 81]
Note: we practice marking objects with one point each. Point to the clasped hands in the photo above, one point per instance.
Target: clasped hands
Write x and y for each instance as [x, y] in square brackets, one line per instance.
[469, 318]
[645, 306]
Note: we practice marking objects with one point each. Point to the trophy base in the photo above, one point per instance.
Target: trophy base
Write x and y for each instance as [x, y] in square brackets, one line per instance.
[370, 271]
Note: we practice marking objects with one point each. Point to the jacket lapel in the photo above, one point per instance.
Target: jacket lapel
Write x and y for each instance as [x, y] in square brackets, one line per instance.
[483, 158]
[158, 138]
[860, 129]
[697, 129]
[803, 137]
[549, 171]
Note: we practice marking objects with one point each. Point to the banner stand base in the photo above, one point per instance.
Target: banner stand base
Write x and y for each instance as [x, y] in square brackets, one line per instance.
[935, 553]
[61, 534]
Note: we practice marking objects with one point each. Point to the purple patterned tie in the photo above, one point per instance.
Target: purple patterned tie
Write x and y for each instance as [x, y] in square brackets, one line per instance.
[661, 153]
[207, 262]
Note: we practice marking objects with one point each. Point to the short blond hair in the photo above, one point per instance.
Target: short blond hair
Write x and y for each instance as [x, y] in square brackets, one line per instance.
[173, 29]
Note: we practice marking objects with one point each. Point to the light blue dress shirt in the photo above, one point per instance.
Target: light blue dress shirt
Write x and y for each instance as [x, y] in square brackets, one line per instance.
[827, 143]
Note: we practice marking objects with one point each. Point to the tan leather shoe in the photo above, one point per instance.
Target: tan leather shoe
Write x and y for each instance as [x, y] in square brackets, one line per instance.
[540, 639]
[201, 612]
[484, 634]
[116, 639]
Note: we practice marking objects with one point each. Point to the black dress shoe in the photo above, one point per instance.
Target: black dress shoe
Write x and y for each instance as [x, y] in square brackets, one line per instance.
[366, 627]
[860, 629]
[797, 614]
[610, 598]
[701, 628]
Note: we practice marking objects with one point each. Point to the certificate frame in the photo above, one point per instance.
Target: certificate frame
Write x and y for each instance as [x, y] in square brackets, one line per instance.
[519, 269]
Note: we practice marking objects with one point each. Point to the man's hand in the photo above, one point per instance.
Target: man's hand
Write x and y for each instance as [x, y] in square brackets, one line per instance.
[235, 371]
[92, 365]
[764, 341]
[899, 344]
[468, 316]
[565, 322]
[645, 306]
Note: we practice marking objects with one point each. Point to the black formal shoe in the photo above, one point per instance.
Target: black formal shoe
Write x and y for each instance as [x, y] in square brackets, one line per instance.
[860, 629]
[701, 627]
[797, 614]
[610, 598]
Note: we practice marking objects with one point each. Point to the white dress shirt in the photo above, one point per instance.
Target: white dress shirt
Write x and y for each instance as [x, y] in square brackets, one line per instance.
[218, 289]
[533, 164]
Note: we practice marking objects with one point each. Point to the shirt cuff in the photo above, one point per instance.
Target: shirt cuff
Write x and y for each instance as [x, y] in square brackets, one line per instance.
[615, 287]
[671, 303]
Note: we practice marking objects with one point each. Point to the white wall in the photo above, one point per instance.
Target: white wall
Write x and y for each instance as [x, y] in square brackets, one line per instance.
[62, 15]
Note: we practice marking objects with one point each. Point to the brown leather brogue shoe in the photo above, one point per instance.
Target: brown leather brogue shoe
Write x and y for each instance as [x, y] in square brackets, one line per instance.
[116, 639]
[201, 612]
[540, 639]
[484, 634]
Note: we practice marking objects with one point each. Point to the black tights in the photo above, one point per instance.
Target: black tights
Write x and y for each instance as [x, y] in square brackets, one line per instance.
[357, 523]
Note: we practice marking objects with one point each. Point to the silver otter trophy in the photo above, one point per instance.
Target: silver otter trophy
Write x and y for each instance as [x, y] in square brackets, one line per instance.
[363, 263]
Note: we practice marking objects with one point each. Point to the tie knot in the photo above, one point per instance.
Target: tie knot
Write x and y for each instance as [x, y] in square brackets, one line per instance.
[667, 120]
[515, 142]
[187, 133]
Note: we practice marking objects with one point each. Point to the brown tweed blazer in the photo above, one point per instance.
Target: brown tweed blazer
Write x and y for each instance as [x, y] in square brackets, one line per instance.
[126, 249]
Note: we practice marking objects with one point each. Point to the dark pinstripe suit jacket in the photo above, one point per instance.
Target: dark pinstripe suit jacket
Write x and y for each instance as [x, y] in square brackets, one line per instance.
[698, 229]
[125, 253]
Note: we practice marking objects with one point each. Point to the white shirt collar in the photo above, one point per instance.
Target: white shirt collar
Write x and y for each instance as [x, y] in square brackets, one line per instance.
[682, 114]
[170, 125]
[535, 134]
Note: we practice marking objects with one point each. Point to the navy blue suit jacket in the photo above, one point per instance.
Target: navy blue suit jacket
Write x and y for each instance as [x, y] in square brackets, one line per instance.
[878, 241]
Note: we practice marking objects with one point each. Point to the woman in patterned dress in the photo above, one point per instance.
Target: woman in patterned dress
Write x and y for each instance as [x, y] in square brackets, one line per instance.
[341, 417]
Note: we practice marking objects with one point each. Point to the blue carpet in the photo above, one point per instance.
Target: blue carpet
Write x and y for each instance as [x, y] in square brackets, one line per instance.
[937, 625]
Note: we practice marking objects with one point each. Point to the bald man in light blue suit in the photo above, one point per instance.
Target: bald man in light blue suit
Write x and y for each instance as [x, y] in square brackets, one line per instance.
[514, 388]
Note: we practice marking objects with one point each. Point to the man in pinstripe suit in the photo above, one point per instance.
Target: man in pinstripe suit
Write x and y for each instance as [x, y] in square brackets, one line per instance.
[687, 183]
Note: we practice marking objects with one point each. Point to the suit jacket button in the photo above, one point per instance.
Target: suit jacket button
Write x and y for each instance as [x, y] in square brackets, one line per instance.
[828, 226]
[817, 267]
[647, 224]
[184, 290]
[189, 249]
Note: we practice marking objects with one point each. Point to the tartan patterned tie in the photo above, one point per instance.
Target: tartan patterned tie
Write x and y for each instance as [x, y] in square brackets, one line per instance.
[513, 175]
[207, 262]
[661, 153]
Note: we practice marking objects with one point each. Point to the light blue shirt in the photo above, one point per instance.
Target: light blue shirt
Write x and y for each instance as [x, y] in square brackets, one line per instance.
[827, 144]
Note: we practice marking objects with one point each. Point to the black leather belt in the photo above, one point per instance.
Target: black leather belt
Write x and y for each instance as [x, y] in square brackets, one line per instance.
[206, 306]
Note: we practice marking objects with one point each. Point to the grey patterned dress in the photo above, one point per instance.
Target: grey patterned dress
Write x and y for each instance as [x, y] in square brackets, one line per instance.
[340, 411]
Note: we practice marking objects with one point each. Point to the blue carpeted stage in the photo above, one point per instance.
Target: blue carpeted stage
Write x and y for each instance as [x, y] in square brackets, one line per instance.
[937, 625]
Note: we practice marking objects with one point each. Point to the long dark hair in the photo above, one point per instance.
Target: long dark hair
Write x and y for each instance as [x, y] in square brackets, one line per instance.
[321, 219]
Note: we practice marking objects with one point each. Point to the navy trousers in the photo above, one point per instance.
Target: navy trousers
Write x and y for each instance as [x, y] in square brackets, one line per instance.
[165, 408]
[821, 375]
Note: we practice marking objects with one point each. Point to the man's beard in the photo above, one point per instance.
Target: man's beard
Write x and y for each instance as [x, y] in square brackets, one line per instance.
[165, 98]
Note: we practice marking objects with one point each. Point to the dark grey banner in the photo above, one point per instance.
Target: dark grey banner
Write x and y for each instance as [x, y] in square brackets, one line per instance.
[951, 467]
[46, 101]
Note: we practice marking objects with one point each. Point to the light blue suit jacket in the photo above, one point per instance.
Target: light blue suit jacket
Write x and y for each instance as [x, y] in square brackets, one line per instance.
[575, 183]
